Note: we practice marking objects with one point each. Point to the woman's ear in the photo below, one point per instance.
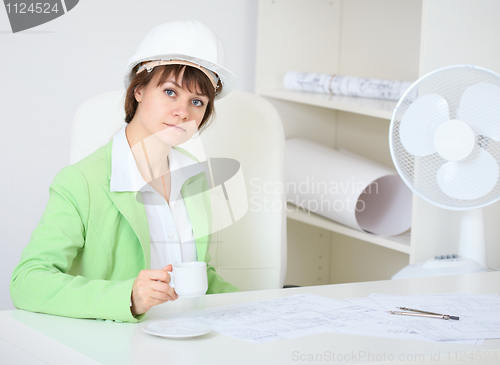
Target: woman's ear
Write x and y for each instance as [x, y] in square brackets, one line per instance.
[138, 91]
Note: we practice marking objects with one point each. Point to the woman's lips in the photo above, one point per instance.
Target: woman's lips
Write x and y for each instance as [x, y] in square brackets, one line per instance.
[174, 126]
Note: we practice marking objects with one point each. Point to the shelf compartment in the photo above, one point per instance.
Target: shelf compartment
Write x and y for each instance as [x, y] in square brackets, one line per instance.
[397, 243]
[371, 107]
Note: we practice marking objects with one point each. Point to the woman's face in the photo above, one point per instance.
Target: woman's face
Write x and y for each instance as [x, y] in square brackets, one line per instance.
[170, 111]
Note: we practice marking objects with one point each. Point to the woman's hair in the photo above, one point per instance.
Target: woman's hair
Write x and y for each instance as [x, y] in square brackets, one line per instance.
[193, 79]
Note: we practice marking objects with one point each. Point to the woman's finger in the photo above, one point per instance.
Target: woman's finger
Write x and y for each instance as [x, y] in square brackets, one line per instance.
[157, 275]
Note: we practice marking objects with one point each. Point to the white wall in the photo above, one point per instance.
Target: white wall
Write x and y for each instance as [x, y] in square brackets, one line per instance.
[48, 71]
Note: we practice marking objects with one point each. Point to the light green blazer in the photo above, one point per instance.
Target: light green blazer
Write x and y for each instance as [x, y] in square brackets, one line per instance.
[91, 243]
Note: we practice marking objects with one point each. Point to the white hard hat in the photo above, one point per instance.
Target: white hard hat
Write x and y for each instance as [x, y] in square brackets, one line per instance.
[188, 41]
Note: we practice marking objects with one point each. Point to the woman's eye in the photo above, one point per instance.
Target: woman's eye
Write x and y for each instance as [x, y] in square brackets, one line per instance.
[198, 102]
[170, 92]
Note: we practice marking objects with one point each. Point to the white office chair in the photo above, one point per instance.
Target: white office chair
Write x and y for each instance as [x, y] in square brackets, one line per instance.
[250, 253]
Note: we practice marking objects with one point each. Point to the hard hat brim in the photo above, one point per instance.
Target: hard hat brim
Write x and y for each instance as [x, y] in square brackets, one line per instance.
[228, 79]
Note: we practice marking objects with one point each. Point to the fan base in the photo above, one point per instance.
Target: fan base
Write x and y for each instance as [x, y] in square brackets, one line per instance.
[440, 268]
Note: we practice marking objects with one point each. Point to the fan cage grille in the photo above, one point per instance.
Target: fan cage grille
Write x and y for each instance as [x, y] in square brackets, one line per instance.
[418, 172]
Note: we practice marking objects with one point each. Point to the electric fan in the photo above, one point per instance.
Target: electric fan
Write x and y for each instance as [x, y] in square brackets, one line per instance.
[445, 143]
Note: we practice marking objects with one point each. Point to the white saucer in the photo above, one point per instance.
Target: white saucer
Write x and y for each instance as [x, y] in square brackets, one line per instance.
[177, 328]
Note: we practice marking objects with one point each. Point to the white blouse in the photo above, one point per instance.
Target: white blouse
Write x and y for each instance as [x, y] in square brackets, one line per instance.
[170, 230]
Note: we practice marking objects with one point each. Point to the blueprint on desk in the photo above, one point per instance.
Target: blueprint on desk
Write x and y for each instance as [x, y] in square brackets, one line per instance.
[306, 314]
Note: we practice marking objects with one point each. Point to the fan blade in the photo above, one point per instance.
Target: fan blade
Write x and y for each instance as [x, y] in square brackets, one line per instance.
[471, 179]
[480, 108]
[419, 123]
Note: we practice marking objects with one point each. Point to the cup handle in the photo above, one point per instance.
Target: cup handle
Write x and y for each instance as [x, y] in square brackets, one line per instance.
[171, 273]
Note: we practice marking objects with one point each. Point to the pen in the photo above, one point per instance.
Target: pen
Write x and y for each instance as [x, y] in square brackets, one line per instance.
[420, 313]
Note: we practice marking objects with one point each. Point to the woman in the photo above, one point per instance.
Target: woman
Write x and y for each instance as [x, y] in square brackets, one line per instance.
[116, 220]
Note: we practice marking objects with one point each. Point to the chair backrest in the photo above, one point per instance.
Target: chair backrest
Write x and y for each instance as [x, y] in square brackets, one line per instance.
[251, 252]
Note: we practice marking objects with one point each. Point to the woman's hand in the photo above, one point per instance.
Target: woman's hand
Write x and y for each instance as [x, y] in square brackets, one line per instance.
[151, 288]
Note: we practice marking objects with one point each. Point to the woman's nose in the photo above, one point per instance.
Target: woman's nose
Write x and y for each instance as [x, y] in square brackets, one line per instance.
[181, 111]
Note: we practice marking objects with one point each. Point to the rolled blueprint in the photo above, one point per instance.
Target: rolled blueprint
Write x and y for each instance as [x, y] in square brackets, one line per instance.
[345, 85]
[347, 189]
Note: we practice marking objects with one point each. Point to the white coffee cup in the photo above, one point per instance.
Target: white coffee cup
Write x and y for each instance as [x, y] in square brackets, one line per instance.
[189, 279]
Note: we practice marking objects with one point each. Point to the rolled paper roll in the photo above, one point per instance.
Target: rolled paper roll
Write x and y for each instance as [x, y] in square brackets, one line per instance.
[347, 189]
[306, 81]
[345, 85]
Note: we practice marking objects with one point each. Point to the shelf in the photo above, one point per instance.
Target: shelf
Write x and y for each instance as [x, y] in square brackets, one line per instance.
[370, 107]
[396, 243]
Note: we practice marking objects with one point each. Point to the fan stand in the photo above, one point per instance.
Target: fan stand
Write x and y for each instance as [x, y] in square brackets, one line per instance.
[472, 242]
[471, 252]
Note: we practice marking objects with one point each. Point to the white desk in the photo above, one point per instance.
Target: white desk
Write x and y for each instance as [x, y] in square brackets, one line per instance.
[31, 338]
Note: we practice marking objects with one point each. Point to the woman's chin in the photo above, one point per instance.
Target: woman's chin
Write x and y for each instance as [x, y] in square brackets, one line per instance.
[172, 136]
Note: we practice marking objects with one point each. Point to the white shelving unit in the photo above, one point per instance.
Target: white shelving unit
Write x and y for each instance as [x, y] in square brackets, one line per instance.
[391, 39]
[398, 243]
[369, 107]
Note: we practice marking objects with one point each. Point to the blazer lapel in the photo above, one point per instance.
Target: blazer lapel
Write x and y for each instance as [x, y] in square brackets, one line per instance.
[132, 210]
[134, 213]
